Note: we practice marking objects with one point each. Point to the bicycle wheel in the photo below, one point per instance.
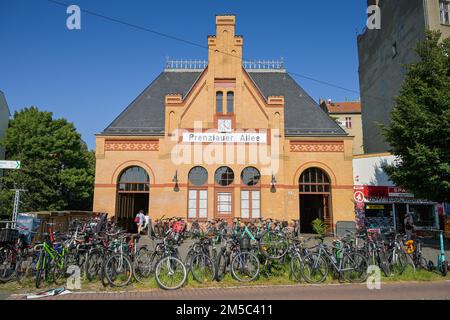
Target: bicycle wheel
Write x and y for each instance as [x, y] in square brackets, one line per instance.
[398, 261]
[118, 270]
[245, 267]
[7, 264]
[296, 266]
[202, 268]
[142, 266]
[354, 268]
[315, 268]
[383, 263]
[170, 273]
[41, 266]
[93, 264]
[221, 265]
[273, 244]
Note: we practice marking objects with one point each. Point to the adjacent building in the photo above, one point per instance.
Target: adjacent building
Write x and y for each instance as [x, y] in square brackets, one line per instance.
[383, 54]
[348, 115]
[4, 122]
[225, 138]
[381, 204]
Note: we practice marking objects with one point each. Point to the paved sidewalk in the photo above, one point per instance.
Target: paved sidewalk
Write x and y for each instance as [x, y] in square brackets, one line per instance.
[411, 290]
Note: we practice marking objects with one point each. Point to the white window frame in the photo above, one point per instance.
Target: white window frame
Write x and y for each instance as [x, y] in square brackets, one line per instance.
[197, 203]
[250, 204]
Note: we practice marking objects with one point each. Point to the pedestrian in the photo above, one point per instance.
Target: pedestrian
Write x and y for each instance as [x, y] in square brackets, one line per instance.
[148, 224]
[139, 220]
[409, 225]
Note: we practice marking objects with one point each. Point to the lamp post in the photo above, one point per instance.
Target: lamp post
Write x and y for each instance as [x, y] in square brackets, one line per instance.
[176, 188]
[272, 184]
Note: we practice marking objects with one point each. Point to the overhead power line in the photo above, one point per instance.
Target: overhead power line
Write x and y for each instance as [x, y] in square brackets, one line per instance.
[198, 45]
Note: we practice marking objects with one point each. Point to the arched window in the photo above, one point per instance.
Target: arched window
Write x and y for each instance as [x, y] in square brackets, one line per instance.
[224, 176]
[198, 193]
[250, 193]
[250, 176]
[314, 180]
[198, 176]
[230, 102]
[134, 179]
[219, 102]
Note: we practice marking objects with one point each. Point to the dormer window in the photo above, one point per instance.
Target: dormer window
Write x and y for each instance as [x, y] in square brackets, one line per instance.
[219, 102]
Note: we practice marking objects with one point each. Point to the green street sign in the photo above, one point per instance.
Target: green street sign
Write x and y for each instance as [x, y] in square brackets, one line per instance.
[9, 164]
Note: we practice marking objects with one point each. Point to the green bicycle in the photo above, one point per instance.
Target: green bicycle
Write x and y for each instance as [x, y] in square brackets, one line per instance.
[52, 261]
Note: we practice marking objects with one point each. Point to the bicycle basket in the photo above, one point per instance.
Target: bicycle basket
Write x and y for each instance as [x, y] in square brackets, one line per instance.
[8, 235]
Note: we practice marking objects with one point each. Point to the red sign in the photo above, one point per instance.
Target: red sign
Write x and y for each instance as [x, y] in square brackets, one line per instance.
[383, 192]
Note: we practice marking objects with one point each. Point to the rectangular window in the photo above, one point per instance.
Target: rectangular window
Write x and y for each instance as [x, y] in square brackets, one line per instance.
[348, 122]
[250, 204]
[198, 204]
[224, 203]
[444, 12]
[230, 102]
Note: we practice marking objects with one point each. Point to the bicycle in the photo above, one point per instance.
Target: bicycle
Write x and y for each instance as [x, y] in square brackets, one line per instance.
[349, 266]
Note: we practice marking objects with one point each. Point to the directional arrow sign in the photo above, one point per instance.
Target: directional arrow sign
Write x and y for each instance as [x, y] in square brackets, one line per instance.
[9, 164]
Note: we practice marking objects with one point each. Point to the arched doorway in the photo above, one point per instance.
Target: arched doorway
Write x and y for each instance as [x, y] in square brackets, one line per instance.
[133, 194]
[315, 199]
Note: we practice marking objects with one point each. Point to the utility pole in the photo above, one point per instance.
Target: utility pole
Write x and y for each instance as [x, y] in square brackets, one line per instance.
[16, 205]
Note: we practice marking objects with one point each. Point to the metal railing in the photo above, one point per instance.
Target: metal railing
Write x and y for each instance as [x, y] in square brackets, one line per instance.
[187, 64]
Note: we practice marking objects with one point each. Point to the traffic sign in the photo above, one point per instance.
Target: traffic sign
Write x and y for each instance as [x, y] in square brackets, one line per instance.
[359, 197]
[9, 164]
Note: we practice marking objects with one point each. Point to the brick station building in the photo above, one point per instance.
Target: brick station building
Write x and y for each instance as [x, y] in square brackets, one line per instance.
[225, 138]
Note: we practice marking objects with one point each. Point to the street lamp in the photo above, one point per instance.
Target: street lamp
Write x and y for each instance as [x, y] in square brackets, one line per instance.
[176, 188]
[272, 184]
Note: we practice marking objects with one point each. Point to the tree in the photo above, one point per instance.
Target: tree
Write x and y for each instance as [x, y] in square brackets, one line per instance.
[57, 169]
[419, 131]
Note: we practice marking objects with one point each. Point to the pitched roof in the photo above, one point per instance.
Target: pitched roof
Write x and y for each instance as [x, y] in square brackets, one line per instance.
[145, 115]
[344, 107]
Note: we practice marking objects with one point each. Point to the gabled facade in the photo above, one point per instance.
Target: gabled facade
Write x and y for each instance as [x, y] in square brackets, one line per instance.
[348, 115]
[223, 139]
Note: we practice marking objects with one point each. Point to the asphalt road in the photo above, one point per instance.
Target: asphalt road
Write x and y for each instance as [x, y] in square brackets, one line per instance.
[389, 291]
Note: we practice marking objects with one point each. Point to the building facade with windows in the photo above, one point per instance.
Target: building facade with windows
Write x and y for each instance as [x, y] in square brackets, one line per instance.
[383, 54]
[379, 203]
[348, 115]
[225, 138]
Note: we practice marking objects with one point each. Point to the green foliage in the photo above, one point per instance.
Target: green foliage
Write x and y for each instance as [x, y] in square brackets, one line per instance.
[57, 169]
[419, 132]
[318, 227]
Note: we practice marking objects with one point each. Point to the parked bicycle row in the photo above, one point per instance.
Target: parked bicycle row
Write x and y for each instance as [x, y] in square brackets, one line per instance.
[246, 250]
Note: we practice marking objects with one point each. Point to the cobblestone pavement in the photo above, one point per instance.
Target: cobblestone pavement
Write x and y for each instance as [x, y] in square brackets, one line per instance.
[410, 290]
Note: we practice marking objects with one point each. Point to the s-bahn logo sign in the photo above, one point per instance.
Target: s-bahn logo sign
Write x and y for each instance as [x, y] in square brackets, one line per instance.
[359, 196]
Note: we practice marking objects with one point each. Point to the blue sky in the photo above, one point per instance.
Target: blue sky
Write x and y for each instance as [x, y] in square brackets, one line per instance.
[90, 75]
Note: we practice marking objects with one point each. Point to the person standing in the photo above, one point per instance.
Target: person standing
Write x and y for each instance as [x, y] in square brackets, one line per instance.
[148, 224]
[409, 225]
[139, 220]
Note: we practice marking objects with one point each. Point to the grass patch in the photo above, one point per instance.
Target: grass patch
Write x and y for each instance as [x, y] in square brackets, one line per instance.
[280, 276]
